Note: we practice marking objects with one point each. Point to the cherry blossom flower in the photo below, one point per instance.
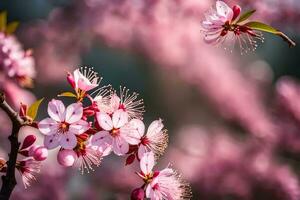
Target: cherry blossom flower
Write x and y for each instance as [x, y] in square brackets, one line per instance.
[83, 80]
[164, 184]
[63, 125]
[125, 101]
[114, 136]
[87, 155]
[220, 27]
[28, 168]
[155, 140]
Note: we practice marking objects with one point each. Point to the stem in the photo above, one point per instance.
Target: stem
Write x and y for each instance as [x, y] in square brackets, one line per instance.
[287, 39]
[9, 180]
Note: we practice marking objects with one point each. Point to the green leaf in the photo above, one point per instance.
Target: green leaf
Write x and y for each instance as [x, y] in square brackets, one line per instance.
[3, 17]
[261, 27]
[245, 16]
[33, 109]
[269, 29]
[67, 94]
[11, 27]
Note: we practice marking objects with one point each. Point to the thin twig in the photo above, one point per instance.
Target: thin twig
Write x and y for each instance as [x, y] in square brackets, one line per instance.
[9, 180]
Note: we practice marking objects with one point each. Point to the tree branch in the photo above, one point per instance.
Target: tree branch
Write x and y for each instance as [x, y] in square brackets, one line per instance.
[9, 180]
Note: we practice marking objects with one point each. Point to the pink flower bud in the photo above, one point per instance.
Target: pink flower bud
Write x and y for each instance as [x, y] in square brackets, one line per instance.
[236, 11]
[137, 194]
[23, 110]
[130, 159]
[66, 157]
[70, 80]
[38, 153]
[32, 150]
[28, 141]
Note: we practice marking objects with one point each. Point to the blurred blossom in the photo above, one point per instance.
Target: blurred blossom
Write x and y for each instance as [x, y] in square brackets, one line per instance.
[226, 167]
[15, 62]
[284, 13]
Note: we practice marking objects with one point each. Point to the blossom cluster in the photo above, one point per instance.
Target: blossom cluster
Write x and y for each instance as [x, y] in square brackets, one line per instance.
[103, 121]
[16, 63]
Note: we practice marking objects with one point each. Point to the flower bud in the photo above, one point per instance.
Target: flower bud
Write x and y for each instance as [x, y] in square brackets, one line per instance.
[28, 141]
[66, 157]
[236, 11]
[137, 194]
[23, 110]
[39, 153]
[130, 159]
[70, 80]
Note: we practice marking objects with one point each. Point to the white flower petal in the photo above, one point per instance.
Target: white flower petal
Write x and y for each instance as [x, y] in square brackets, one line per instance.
[120, 146]
[79, 127]
[68, 140]
[133, 131]
[56, 110]
[74, 113]
[119, 118]
[147, 162]
[104, 121]
[154, 128]
[224, 10]
[51, 141]
[142, 150]
[48, 126]
[101, 138]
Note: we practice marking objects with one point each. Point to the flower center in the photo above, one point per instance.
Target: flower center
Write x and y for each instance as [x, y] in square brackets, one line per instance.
[122, 107]
[145, 141]
[149, 177]
[64, 127]
[115, 132]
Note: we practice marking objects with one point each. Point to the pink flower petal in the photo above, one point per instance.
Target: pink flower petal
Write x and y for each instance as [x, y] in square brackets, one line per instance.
[82, 82]
[51, 141]
[142, 150]
[79, 127]
[68, 140]
[155, 128]
[224, 10]
[56, 110]
[74, 113]
[48, 126]
[133, 131]
[114, 102]
[101, 138]
[147, 162]
[119, 118]
[120, 146]
[104, 121]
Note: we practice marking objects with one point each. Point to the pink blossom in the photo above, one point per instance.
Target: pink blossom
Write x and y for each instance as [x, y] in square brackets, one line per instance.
[114, 136]
[87, 154]
[28, 168]
[164, 184]
[220, 27]
[125, 101]
[155, 140]
[85, 79]
[63, 125]
[215, 20]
